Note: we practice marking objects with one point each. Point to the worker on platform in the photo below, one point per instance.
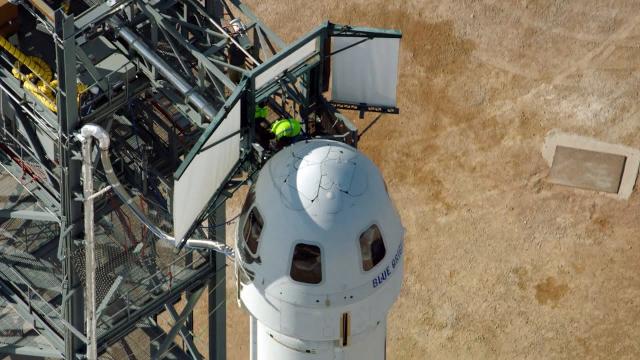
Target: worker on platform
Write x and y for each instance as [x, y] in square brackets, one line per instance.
[263, 132]
[261, 113]
[286, 130]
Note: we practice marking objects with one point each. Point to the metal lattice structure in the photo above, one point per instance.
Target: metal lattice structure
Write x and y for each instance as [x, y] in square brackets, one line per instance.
[165, 79]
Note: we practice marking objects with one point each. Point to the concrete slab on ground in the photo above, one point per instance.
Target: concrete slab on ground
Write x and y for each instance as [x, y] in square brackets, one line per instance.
[588, 163]
[586, 169]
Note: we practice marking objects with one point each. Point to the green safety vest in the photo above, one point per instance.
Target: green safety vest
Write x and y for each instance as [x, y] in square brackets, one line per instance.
[286, 127]
[261, 112]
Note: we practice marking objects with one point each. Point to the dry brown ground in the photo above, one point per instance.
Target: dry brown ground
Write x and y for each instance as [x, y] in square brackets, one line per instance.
[500, 264]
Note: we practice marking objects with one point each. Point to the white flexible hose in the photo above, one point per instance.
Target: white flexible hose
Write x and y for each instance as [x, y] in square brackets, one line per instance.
[97, 132]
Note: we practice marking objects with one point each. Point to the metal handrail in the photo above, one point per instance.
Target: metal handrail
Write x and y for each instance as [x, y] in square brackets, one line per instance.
[28, 297]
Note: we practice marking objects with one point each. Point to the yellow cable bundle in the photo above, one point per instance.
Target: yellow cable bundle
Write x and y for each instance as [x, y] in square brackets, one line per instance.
[43, 90]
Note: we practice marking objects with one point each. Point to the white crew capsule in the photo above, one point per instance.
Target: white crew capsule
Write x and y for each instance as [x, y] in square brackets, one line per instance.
[320, 255]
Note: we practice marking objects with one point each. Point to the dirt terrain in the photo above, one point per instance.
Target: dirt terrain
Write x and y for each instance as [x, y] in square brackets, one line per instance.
[499, 263]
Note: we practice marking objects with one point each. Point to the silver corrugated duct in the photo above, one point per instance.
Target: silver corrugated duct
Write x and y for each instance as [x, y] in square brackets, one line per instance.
[95, 131]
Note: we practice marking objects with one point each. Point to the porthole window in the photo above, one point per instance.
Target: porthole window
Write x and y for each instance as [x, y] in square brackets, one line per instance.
[306, 266]
[252, 230]
[372, 247]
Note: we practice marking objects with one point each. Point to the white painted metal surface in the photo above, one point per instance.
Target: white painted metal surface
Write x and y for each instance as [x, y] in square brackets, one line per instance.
[297, 57]
[365, 73]
[326, 194]
[253, 338]
[206, 173]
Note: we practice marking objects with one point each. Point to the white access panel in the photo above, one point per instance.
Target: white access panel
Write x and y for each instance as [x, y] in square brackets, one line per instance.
[294, 59]
[365, 73]
[206, 173]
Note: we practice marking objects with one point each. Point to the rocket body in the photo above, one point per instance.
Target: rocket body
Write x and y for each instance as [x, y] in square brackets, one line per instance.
[320, 262]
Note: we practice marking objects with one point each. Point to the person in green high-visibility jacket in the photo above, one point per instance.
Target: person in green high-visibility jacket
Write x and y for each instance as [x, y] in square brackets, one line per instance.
[263, 127]
[261, 112]
[286, 128]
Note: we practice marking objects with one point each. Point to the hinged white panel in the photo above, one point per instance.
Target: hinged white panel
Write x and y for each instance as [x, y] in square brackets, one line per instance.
[295, 58]
[206, 173]
[366, 73]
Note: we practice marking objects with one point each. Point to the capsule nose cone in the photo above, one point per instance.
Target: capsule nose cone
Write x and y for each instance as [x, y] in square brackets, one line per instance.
[320, 179]
[332, 199]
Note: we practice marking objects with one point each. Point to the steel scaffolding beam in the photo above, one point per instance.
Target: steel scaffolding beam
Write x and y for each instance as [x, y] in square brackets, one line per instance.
[28, 215]
[11, 349]
[73, 302]
[217, 293]
[159, 77]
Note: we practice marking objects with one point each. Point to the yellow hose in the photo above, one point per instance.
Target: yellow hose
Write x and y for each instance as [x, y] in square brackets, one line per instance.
[36, 65]
[39, 82]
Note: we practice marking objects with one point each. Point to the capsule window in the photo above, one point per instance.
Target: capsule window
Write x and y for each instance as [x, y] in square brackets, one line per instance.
[252, 230]
[372, 247]
[306, 266]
